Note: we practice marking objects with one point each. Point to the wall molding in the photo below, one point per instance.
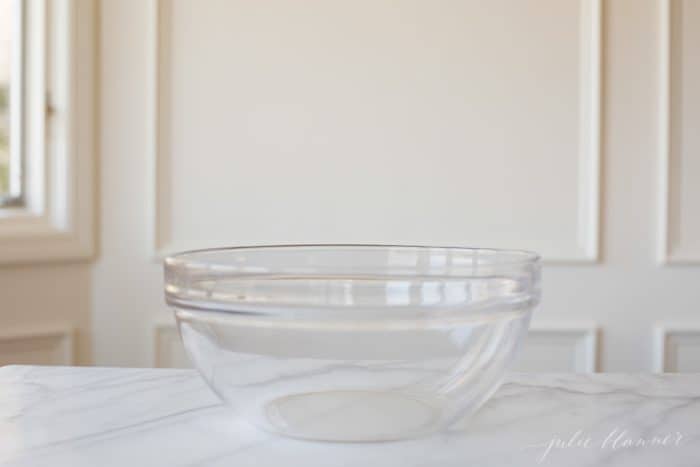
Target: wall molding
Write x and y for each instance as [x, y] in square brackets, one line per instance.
[666, 341]
[159, 167]
[590, 97]
[667, 246]
[589, 157]
[58, 340]
[166, 338]
[664, 110]
[583, 337]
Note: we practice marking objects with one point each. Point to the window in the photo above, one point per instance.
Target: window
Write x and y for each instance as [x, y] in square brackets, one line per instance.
[10, 96]
[46, 134]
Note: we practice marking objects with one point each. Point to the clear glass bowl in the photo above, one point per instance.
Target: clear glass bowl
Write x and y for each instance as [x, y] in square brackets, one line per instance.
[352, 342]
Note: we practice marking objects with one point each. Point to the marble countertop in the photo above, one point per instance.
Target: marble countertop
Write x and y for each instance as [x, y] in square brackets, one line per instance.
[65, 416]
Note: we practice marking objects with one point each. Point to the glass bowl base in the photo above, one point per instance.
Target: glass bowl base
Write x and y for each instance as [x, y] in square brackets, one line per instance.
[351, 416]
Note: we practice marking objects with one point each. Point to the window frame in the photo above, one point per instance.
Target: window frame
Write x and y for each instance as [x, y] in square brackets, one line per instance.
[52, 219]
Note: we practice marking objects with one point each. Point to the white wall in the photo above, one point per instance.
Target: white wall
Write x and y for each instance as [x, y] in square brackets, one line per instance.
[536, 124]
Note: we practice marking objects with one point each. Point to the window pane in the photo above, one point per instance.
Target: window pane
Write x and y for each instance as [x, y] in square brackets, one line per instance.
[8, 15]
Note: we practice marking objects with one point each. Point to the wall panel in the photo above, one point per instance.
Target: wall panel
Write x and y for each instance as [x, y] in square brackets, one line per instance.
[680, 138]
[274, 127]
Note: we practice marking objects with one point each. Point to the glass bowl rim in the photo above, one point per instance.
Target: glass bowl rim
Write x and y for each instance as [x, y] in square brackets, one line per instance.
[186, 269]
[526, 256]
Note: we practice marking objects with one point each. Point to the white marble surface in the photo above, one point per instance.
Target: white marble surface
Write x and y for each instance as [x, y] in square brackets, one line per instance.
[64, 416]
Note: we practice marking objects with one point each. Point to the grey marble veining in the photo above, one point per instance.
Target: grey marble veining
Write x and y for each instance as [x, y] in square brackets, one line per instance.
[64, 416]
